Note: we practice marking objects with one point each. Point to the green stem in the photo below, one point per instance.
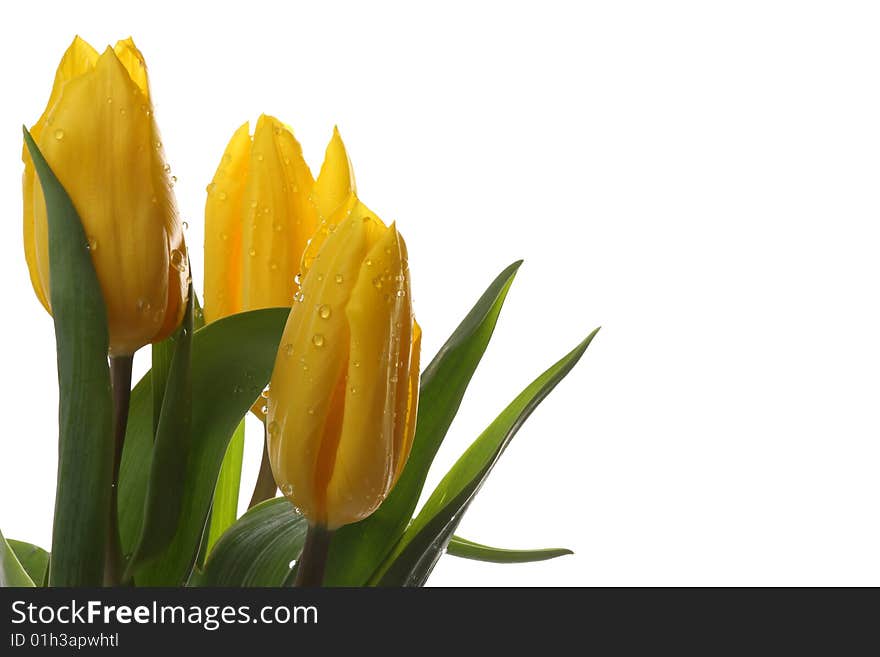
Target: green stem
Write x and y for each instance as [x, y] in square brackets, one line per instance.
[265, 487]
[313, 560]
[120, 381]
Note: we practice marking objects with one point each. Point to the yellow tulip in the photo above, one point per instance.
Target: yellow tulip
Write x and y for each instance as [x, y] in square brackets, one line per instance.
[263, 206]
[100, 138]
[342, 402]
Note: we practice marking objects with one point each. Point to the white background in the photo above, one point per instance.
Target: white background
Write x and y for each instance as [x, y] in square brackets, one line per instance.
[699, 178]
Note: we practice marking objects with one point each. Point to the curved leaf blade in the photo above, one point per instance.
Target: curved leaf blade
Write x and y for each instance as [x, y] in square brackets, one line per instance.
[224, 509]
[85, 408]
[465, 549]
[170, 450]
[232, 361]
[258, 549]
[34, 559]
[425, 540]
[12, 573]
[358, 549]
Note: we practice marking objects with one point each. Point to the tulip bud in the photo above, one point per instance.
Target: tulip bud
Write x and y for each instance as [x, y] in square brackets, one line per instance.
[342, 406]
[99, 137]
[263, 206]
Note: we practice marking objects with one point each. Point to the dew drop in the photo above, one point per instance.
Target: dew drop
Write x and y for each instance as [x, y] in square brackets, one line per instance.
[299, 296]
[266, 210]
[93, 244]
[222, 196]
[109, 100]
[353, 390]
[339, 279]
[173, 179]
[259, 157]
[311, 411]
[252, 252]
[264, 409]
[318, 340]
[59, 134]
[287, 489]
[356, 363]
[158, 145]
[377, 283]
[298, 278]
[401, 293]
[369, 262]
[288, 349]
[186, 225]
[123, 111]
[224, 236]
[278, 228]
[254, 203]
[324, 312]
[143, 305]
[167, 168]
[273, 266]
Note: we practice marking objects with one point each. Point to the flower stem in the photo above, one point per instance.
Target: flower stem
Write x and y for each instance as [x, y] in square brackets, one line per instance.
[120, 381]
[313, 560]
[265, 487]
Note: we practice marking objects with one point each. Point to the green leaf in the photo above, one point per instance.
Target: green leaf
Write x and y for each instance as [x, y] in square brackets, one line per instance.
[358, 549]
[461, 547]
[34, 559]
[224, 510]
[12, 573]
[427, 537]
[258, 549]
[85, 413]
[232, 361]
[168, 467]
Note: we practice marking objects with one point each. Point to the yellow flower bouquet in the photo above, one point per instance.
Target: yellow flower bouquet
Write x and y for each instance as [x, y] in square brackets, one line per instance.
[308, 323]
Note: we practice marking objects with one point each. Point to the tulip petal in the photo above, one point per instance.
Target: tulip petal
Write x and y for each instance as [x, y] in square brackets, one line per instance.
[412, 400]
[335, 182]
[380, 321]
[308, 378]
[109, 159]
[223, 229]
[134, 63]
[278, 217]
[79, 58]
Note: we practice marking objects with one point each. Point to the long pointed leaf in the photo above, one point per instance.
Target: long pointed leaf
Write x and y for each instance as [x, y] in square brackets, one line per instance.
[461, 547]
[34, 559]
[232, 360]
[168, 467]
[12, 573]
[358, 549]
[426, 539]
[85, 408]
[224, 509]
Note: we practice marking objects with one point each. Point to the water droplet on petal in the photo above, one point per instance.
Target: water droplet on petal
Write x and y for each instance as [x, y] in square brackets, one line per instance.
[318, 340]
[299, 296]
[287, 489]
[324, 312]
[369, 262]
[93, 244]
[288, 349]
[254, 204]
[252, 252]
[59, 134]
[224, 236]
[311, 411]
[222, 196]
[339, 279]
[377, 283]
